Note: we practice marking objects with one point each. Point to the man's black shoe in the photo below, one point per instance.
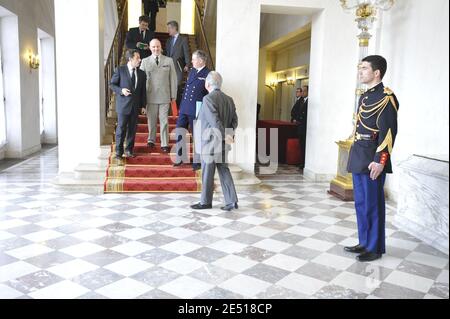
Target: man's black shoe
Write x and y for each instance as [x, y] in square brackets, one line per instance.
[368, 256]
[230, 207]
[118, 157]
[358, 249]
[130, 155]
[200, 206]
[196, 167]
[177, 164]
[165, 149]
[151, 144]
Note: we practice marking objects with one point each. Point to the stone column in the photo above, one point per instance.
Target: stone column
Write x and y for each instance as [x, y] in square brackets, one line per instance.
[80, 83]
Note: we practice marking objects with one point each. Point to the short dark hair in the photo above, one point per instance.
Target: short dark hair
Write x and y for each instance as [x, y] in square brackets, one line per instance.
[173, 24]
[129, 54]
[144, 19]
[299, 89]
[377, 62]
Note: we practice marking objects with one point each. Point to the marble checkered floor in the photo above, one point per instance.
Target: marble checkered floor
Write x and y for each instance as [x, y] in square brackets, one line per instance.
[286, 241]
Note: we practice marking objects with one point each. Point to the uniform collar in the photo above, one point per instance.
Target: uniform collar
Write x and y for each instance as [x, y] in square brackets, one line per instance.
[376, 87]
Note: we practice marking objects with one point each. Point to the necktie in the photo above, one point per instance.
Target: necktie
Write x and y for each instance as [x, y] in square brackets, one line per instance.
[133, 79]
[143, 35]
[157, 61]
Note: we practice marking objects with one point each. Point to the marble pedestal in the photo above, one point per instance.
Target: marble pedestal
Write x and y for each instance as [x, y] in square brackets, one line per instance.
[422, 207]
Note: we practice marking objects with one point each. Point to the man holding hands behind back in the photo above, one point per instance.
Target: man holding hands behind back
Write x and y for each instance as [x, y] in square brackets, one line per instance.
[161, 91]
[216, 124]
[128, 82]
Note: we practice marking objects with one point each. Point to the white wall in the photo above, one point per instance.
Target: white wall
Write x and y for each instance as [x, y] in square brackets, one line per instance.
[23, 93]
[332, 72]
[111, 23]
[275, 26]
[414, 40]
[80, 81]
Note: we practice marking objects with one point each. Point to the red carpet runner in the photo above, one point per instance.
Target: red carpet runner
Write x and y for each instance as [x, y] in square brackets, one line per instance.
[151, 171]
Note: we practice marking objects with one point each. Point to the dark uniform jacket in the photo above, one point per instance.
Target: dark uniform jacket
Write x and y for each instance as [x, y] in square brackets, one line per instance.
[376, 130]
[194, 92]
[300, 113]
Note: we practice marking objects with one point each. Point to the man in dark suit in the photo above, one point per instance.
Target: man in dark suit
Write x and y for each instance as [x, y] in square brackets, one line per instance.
[151, 9]
[129, 84]
[177, 47]
[140, 37]
[194, 93]
[299, 115]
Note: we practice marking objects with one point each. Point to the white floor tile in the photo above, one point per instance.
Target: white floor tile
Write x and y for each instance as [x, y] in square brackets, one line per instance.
[126, 288]
[186, 287]
[182, 265]
[72, 268]
[303, 284]
[285, 262]
[29, 251]
[62, 290]
[129, 267]
[235, 263]
[246, 286]
[410, 281]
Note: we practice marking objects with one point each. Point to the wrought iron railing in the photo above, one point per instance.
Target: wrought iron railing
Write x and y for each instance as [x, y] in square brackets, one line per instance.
[200, 34]
[116, 52]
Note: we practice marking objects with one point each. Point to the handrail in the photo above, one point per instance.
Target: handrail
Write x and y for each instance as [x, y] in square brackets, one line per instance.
[200, 34]
[116, 51]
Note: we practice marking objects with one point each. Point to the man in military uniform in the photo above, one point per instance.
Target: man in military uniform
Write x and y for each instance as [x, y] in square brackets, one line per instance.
[194, 93]
[370, 157]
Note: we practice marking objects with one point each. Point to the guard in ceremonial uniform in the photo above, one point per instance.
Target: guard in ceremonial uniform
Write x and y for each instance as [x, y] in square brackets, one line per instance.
[194, 92]
[370, 158]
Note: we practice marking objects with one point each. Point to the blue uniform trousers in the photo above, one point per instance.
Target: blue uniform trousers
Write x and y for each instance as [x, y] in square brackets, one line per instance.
[184, 121]
[370, 211]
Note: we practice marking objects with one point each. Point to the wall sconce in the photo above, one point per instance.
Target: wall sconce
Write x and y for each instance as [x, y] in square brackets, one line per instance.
[33, 61]
[290, 81]
[273, 84]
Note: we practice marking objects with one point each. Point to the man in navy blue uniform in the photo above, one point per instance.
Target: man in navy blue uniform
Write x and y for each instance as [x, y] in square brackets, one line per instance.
[370, 157]
[194, 92]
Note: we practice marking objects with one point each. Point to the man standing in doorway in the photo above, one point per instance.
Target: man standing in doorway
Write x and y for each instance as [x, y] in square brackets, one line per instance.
[128, 82]
[299, 116]
[370, 157]
[161, 91]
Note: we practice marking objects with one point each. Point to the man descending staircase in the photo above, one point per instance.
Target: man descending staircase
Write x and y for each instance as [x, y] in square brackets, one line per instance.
[152, 169]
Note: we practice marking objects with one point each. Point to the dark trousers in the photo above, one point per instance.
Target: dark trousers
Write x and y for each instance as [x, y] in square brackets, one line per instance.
[184, 123]
[152, 15]
[126, 129]
[370, 211]
[301, 131]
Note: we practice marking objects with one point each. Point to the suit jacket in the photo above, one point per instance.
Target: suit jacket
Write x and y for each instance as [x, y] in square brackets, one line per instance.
[218, 113]
[179, 53]
[122, 80]
[134, 36]
[377, 118]
[161, 80]
[299, 112]
[151, 5]
[194, 91]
